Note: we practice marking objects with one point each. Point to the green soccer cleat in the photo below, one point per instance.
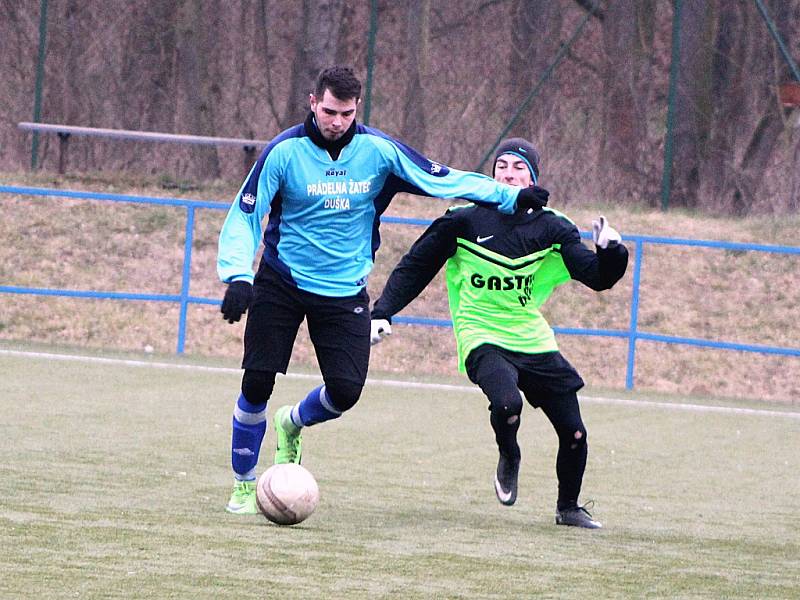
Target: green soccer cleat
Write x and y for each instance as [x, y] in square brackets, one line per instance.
[243, 499]
[289, 449]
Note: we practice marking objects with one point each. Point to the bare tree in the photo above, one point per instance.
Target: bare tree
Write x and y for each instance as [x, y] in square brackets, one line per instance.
[414, 129]
[531, 54]
[790, 30]
[450, 86]
[793, 203]
[765, 135]
[627, 40]
[263, 38]
[315, 49]
[693, 104]
[745, 122]
[148, 59]
[194, 48]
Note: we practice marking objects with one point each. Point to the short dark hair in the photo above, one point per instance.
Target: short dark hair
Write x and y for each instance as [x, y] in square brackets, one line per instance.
[341, 81]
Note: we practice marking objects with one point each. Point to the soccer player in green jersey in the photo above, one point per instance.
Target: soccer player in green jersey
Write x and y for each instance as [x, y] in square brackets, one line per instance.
[500, 270]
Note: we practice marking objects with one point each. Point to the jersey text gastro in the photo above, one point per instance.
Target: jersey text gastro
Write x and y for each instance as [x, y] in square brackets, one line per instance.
[518, 282]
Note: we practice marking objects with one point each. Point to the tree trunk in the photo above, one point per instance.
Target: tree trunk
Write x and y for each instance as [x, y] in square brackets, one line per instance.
[315, 50]
[627, 27]
[414, 129]
[793, 202]
[531, 54]
[729, 93]
[194, 48]
[264, 26]
[748, 124]
[693, 102]
[148, 58]
[789, 28]
[772, 135]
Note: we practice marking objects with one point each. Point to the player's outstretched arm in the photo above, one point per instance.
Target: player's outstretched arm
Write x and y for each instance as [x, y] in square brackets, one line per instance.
[435, 179]
[414, 272]
[534, 197]
[598, 270]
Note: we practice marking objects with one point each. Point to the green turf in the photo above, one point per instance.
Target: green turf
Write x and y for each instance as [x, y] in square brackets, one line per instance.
[114, 479]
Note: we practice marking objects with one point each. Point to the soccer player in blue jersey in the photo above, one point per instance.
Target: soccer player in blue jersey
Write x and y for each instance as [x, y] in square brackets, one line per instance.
[323, 185]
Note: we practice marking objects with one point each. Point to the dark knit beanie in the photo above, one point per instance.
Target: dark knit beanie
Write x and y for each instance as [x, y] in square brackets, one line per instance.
[522, 148]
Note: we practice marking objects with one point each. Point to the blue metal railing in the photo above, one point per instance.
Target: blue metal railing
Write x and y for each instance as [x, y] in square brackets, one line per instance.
[184, 299]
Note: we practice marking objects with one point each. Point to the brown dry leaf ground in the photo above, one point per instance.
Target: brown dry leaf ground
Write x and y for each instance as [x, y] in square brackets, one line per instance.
[733, 296]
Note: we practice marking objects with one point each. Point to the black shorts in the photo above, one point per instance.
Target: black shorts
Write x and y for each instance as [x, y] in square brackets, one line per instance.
[339, 329]
[540, 376]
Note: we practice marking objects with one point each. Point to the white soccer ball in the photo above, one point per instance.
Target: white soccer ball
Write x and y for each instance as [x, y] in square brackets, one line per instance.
[287, 494]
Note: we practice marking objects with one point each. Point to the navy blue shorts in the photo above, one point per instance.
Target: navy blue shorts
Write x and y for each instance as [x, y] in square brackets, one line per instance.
[339, 329]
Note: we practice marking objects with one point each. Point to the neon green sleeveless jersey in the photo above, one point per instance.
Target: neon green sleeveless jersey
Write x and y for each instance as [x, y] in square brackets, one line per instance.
[494, 299]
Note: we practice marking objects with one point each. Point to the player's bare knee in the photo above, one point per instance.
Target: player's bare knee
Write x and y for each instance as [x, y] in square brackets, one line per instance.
[257, 386]
[506, 409]
[576, 438]
[343, 393]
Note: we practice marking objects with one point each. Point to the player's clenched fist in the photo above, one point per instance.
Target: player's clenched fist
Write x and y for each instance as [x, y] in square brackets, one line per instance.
[379, 328]
[604, 235]
[237, 300]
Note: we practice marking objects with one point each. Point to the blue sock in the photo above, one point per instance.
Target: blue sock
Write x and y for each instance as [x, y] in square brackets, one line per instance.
[249, 427]
[315, 408]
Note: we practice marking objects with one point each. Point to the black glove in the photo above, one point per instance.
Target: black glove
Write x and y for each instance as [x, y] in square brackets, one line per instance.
[237, 300]
[533, 197]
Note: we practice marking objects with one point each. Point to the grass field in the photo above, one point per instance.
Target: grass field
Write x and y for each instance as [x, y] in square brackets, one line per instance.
[114, 478]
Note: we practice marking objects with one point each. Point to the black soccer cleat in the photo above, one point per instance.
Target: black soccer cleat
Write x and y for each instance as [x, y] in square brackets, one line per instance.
[577, 516]
[505, 480]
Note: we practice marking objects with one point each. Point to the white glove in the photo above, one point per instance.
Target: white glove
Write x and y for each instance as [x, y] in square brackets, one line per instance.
[379, 328]
[604, 235]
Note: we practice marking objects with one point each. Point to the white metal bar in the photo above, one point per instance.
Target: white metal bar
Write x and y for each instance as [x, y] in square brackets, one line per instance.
[147, 136]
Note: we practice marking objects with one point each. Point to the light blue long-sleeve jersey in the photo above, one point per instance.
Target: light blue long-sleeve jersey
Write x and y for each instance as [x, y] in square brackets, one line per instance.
[322, 232]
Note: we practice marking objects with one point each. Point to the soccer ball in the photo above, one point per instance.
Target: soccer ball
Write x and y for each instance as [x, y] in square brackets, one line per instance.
[287, 494]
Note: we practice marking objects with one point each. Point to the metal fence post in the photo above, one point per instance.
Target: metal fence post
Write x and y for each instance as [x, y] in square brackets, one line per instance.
[186, 277]
[37, 94]
[632, 331]
[666, 176]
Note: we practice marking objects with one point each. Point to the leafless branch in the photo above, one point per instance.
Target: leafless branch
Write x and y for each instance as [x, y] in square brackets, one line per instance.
[592, 5]
[447, 28]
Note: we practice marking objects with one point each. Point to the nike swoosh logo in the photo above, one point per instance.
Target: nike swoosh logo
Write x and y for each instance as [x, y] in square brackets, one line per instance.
[504, 496]
[483, 239]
